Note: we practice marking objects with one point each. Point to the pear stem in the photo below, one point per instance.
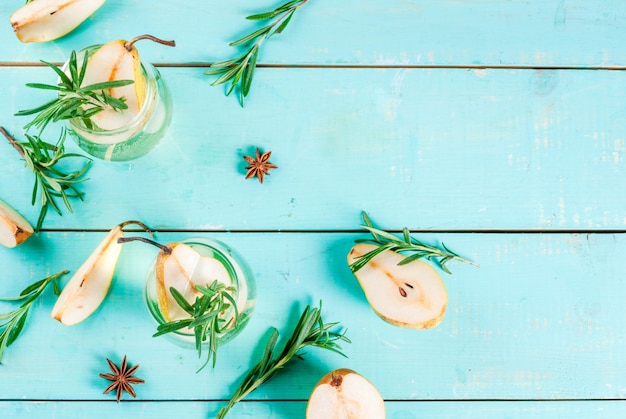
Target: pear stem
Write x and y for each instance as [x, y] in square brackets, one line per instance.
[13, 142]
[163, 248]
[129, 45]
[140, 224]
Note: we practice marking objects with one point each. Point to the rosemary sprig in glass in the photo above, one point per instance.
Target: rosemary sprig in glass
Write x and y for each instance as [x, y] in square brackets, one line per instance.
[240, 70]
[310, 331]
[12, 323]
[210, 315]
[51, 182]
[387, 241]
[74, 101]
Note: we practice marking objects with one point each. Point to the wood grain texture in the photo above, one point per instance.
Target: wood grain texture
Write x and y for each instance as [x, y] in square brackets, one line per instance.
[354, 32]
[512, 149]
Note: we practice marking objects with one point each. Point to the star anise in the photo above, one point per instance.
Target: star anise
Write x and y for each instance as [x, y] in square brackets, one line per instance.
[122, 378]
[259, 166]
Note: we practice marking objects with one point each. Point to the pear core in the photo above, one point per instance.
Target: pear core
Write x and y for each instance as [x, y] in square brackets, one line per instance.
[411, 295]
[344, 394]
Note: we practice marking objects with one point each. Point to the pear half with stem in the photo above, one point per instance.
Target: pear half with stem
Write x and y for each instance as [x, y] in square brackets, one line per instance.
[345, 394]
[183, 268]
[119, 60]
[14, 229]
[178, 265]
[46, 20]
[410, 295]
[89, 286]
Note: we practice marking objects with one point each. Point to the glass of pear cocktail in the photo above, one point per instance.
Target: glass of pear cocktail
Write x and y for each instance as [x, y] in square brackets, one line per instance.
[216, 262]
[121, 135]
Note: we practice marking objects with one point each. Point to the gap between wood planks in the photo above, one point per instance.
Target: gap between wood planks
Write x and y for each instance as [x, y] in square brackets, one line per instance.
[431, 401]
[362, 66]
[351, 231]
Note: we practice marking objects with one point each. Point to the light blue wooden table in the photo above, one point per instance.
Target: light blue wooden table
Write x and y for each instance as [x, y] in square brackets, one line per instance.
[497, 127]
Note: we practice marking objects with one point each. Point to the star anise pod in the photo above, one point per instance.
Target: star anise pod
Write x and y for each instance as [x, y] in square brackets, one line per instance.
[122, 378]
[259, 166]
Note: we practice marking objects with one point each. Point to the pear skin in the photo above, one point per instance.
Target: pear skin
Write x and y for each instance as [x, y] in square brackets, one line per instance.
[344, 394]
[14, 229]
[411, 295]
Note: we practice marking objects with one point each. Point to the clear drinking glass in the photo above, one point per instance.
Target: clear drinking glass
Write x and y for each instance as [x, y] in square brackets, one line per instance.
[240, 275]
[140, 135]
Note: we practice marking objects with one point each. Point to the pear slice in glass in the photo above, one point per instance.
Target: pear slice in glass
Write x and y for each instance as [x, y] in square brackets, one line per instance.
[345, 394]
[183, 268]
[14, 229]
[410, 295]
[112, 62]
[119, 60]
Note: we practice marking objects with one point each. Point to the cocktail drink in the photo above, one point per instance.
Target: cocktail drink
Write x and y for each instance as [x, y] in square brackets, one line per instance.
[210, 262]
[121, 135]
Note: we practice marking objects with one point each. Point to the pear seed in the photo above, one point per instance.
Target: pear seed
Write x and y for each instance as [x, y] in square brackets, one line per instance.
[336, 380]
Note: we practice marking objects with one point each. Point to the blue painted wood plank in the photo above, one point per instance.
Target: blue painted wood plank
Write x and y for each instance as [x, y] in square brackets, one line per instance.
[277, 410]
[448, 149]
[453, 149]
[541, 318]
[398, 32]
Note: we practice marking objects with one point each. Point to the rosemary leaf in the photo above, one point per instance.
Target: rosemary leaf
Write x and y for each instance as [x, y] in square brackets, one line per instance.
[387, 241]
[13, 322]
[209, 315]
[251, 36]
[240, 71]
[310, 331]
[181, 301]
[42, 87]
[50, 183]
[248, 72]
[284, 23]
[105, 85]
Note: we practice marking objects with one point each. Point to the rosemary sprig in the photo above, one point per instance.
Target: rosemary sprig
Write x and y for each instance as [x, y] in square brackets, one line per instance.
[209, 317]
[419, 250]
[310, 331]
[12, 323]
[50, 182]
[240, 70]
[74, 101]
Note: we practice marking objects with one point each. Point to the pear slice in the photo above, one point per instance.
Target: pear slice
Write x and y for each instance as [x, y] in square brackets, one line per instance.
[88, 287]
[114, 61]
[119, 60]
[411, 295]
[46, 20]
[183, 269]
[14, 229]
[344, 394]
